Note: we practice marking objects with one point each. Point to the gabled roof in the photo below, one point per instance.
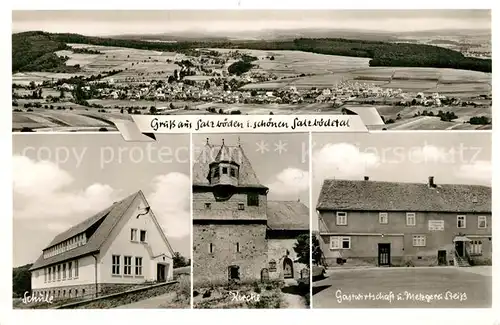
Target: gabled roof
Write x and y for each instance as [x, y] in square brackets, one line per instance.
[287, 215]
[209, 154]
[109, 218]
[351, 195]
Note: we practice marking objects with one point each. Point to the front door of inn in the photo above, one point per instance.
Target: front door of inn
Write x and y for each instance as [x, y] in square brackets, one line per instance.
[384, 254]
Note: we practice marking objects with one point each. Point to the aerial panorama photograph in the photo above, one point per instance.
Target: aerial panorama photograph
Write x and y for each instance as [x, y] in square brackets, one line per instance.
[402, 69]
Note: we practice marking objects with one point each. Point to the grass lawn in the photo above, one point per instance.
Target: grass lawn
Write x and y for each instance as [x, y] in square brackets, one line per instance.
[403, 288]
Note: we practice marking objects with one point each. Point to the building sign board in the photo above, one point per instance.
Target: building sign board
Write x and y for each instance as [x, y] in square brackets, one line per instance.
[436, 225]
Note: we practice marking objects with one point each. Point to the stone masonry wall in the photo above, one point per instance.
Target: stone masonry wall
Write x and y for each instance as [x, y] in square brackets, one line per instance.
[212, 268]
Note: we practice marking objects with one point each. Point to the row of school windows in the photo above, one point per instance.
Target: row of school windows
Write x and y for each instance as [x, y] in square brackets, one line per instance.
[252, 200]
[411, 220]
[127, 265]
[71, 293]
[65, 246]
[344, 242]
[61, 272]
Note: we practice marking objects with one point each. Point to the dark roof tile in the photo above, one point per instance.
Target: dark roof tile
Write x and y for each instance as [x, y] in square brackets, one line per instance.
[210, 153]
[287, 215]
[392, 196]
[111, 215]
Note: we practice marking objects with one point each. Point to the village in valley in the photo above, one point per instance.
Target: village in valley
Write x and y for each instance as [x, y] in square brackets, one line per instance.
[273, 220]
[101, 84]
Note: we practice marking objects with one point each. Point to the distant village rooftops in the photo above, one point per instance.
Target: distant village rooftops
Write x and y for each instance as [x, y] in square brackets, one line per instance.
[367, 195]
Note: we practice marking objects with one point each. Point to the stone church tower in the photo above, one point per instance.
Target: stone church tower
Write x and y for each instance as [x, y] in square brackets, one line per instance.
[229, 217]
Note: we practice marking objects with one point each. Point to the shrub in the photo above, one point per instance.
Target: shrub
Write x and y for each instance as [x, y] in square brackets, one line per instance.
[256, 287]
[479, 120]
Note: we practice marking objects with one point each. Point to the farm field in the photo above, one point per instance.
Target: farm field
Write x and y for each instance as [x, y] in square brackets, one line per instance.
[428, 123]
[277, 109]
[81, 117]
[302, 70]
[411, 80]
[297, 62]
[24, 78]
[322, 70]
[137, 65]
[40, 119]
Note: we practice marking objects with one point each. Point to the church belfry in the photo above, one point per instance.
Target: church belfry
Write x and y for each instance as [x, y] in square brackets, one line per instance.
[224, 170]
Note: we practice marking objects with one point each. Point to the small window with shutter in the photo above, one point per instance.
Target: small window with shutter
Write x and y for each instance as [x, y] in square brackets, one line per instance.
[340, 242]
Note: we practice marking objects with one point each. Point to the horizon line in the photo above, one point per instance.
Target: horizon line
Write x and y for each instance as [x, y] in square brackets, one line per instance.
[197, 31]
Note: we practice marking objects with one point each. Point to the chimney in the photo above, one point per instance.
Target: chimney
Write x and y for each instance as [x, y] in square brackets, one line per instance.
[367, 178]
[431, 182]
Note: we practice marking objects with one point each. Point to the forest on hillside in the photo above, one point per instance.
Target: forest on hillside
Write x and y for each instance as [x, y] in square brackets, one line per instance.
[21, 280]
[34, 51]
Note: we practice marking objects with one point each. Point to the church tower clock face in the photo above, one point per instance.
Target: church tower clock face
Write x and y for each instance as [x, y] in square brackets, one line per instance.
[223, 192]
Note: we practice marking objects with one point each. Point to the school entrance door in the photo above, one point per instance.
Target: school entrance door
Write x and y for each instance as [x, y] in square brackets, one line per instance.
[161, 275]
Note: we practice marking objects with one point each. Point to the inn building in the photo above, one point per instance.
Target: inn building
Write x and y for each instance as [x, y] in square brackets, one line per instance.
[238, 234]
[365, 222]
[118, 248]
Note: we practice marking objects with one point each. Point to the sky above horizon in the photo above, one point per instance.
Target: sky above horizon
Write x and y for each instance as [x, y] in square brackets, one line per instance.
[61, 180]
[116, 22]
[451, 157]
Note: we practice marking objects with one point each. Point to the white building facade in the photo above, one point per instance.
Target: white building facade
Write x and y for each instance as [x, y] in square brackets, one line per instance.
[118, 248]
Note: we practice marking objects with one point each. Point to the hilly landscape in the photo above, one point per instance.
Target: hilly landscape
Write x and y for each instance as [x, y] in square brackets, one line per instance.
[34, 50]
[414, 81]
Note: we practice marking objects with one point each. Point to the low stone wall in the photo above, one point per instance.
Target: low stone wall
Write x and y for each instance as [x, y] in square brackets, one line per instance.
[109, 301]
[352, 262]
[84, 291]
[81, 291]
[480, 260]
[373, 261]
[420, 261]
